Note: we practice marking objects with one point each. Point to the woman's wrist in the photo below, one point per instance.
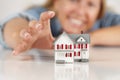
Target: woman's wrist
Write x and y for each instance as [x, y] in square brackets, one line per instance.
[93, 39]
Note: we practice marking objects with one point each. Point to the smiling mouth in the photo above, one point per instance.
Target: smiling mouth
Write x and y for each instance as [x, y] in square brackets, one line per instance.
[76, 23]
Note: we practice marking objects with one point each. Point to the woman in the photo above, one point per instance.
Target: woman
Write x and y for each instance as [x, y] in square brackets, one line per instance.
[72, 16]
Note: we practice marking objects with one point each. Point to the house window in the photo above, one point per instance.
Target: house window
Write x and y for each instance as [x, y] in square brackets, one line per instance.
[70, 54]
[78, 53]
[74, 53]
[62, 46]
[74, 46]
[86, 45]
[57, 46]
[81, 46]
[78, 46]
[66, 55]
[66, 46]
[70, 46]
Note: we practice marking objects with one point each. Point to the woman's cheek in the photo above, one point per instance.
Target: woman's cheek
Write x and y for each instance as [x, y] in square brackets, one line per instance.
[94, 14]
[92, 17]
[68, 9]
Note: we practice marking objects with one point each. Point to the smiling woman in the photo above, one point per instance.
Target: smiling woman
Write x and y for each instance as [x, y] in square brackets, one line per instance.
[38, 27]
[78, 15]
[50, 5]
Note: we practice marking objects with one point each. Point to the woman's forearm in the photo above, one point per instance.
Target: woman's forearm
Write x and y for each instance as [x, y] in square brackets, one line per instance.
[106, 36]
[12, 31]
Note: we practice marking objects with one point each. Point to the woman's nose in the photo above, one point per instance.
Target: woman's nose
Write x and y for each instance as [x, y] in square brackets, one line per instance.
[81, 10]
[81, 7]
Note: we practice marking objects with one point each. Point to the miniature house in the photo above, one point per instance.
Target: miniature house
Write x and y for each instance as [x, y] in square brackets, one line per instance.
[71, 47]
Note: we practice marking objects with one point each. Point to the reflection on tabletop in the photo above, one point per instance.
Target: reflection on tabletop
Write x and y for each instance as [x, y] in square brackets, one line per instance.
[39, 65]
[72, 71]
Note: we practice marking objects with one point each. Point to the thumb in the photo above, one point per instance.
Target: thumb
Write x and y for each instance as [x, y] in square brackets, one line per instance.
[51, 37]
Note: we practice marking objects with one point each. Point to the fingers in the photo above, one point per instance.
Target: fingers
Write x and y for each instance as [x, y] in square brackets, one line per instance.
[45, 19]
[35, 26]
[29, 36]
[27, 41]
[25, 44]
[52, 38]
[20, 48]
[25, 35]
[36, 29]
[45, 16]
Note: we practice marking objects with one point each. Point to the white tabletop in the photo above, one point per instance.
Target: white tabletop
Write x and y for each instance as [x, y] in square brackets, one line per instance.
[39, 65]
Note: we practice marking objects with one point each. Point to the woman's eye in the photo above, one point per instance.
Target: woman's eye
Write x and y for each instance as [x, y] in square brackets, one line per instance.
[74, 0]
[90, 4]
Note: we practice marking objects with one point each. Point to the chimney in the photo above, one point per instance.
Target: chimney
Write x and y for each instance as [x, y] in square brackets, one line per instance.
[81, 32]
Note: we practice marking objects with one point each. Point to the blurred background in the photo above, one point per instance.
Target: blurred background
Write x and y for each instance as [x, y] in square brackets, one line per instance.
[8, 7]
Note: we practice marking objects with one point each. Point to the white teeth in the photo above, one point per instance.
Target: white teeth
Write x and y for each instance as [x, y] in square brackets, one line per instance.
[78, 22]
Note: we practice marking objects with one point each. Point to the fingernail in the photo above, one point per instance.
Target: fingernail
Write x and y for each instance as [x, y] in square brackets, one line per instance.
[14, 52]
[30, 24]
[51, 13]
[38, 26]
[26, 35]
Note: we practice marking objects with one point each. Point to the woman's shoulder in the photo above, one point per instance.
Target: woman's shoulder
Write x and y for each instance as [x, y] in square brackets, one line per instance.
[35, 11]
[38, 9]
[111, 15]
[110, 19]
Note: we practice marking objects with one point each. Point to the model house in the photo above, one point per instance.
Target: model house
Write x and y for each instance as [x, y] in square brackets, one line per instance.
[71, 47]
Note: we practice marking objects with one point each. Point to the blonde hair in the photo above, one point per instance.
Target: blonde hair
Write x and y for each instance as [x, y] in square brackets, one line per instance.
[49, 5]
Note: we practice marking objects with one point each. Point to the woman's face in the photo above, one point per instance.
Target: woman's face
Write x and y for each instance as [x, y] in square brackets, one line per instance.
[77, 15]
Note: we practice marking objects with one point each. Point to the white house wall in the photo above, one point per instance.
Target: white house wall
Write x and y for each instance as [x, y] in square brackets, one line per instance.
[63, 39]
[59, 56]
[85, 55]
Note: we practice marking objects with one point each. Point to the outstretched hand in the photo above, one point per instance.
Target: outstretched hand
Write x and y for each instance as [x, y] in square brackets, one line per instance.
[37, 35]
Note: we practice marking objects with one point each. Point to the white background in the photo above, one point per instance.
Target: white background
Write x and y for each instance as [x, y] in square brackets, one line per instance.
[8, 7]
